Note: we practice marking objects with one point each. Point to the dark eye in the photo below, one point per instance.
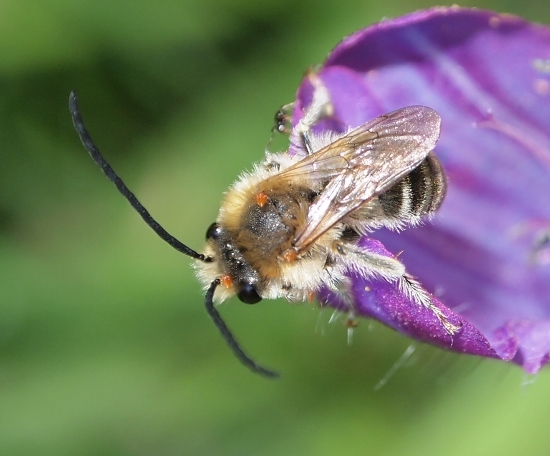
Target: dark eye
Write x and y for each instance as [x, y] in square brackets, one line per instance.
[213, 231]
[248, 294]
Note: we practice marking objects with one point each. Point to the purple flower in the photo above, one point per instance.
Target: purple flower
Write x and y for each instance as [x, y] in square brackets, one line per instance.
[486, 255]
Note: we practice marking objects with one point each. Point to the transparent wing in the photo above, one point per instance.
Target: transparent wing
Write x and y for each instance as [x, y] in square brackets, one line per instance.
[363, 164]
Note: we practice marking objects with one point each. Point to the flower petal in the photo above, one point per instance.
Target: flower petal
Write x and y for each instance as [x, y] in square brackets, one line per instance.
[387, 302]
[486, 252]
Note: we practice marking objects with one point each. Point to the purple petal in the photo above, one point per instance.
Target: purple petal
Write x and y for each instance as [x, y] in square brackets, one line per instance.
[487, 252]
[386, 302]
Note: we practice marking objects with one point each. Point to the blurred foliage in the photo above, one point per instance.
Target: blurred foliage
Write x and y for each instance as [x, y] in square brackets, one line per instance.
[105, 348]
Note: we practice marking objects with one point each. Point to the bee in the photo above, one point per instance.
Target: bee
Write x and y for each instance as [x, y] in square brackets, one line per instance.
[291, 226]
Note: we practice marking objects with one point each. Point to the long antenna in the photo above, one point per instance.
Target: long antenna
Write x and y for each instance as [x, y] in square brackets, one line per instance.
[121, 186]
[165, 236]
[226, 334]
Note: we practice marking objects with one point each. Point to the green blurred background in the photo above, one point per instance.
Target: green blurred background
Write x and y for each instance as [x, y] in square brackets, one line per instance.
[105, 348]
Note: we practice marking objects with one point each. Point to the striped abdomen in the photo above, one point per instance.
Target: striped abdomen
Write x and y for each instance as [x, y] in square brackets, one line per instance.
[419, 193]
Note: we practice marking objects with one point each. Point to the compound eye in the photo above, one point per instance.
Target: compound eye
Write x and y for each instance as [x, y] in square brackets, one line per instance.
[213, 231]
[248, 294]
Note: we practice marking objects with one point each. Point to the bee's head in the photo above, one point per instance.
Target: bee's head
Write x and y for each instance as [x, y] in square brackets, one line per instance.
[228, 265]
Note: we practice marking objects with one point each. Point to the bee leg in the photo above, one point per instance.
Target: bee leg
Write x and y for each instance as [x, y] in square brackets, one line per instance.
[320, 107]
[283, 119]
[340, 286]
[370, 264]
[412, 288]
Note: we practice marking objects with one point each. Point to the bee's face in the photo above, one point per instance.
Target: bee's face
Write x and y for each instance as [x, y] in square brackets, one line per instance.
[233, 270]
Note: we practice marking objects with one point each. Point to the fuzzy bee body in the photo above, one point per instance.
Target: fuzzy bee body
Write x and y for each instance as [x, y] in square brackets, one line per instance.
[292, 225]
[258, 244]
